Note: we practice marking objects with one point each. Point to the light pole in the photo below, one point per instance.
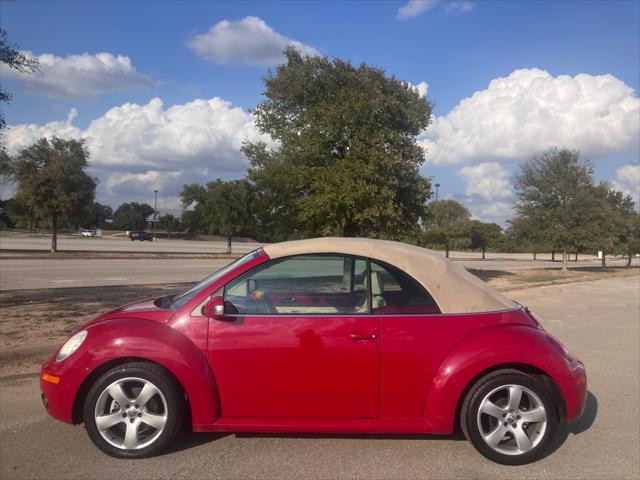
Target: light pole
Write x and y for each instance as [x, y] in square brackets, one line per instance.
[155, 213]
[437, 186]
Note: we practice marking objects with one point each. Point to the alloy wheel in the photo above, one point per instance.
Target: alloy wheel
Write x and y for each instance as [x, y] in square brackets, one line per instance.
[512, 419]
[131, 413]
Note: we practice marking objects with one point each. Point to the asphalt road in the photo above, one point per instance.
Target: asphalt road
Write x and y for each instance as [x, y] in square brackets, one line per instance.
[598, 321]
[18, 274]
[20, 242]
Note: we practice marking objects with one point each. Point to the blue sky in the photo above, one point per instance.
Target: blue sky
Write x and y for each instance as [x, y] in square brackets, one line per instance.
[457, 48]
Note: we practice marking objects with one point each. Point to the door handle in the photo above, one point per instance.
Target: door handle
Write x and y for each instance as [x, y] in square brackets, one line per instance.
[363, 336]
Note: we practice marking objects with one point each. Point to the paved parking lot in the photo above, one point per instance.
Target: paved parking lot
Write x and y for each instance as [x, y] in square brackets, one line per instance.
[598, 321]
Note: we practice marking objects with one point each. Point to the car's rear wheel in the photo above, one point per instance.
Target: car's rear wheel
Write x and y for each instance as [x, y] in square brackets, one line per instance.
[510, 417]
[133, 410]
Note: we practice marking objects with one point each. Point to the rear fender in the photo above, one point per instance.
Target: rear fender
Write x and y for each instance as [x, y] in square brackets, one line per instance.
[484, 350]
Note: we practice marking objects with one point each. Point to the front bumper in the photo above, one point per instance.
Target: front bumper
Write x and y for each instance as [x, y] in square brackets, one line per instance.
[59, 384]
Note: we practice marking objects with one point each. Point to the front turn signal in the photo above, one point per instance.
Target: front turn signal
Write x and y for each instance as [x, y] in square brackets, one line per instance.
[50, 378]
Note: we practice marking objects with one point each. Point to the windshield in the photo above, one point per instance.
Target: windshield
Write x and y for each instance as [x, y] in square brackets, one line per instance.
[181, 299]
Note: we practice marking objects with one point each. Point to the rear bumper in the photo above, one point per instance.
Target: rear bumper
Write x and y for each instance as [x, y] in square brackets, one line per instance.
[574, 390]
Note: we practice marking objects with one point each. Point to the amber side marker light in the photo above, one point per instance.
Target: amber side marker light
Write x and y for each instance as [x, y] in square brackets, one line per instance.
[50, 378]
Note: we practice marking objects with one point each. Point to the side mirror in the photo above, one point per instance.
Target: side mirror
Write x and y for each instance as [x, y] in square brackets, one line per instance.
[215, 308]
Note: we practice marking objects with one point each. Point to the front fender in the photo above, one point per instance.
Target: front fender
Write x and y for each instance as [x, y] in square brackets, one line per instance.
[114, 339]
[502, 345]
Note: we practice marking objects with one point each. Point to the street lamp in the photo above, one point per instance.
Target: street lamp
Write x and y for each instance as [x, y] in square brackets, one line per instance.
[437, 186]
[155, 214]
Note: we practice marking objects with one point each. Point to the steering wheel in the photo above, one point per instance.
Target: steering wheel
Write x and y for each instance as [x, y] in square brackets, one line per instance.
[262, 300]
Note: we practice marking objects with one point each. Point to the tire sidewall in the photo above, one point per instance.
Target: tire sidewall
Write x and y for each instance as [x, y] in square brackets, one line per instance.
[162, 381]
[472, 431]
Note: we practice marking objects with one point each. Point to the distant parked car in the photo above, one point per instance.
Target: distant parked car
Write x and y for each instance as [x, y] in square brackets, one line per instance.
[330, 335]
[87, 233]
[140, 236]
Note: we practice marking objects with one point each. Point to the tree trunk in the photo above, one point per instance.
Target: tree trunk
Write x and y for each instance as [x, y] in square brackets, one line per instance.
[553, 256]
[604, 260]
[54, 233]
[576, 259]
[564, 259]
[629, 260]
[534, 256]
[446, 251]
[483, 251]
[229, 244]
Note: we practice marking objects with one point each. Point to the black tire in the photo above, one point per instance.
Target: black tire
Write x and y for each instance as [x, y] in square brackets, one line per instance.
[491, 383]
[163, 381]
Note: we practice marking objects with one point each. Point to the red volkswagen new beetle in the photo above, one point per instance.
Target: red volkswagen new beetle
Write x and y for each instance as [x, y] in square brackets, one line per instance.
[334, 335]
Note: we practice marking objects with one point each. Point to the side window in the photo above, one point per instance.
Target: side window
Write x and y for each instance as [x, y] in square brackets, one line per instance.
[393, 291]
[305, 284]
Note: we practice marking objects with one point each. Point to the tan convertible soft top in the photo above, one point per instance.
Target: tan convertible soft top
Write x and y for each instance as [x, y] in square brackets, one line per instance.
[452, 287]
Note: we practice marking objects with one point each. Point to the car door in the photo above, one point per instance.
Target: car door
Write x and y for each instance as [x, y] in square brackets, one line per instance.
[414, 337]
[298, 341]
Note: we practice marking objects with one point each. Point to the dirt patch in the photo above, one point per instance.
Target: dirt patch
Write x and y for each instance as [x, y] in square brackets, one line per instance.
[506, 280]
[33, 323]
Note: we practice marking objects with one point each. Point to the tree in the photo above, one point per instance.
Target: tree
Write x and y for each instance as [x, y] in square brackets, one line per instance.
[631, 236]
[193, 198]
[97, 214]
[523, 236]
[132, 216]
[555, 189]
[447, 225]
[52, 183]
[484, 235]
[348, 161]
[224, 208]
[612, 222]
[168, 223]
[11, 56]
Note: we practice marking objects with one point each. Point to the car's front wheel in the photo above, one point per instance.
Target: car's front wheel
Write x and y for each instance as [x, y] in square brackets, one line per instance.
[510, 417]
[133, 410]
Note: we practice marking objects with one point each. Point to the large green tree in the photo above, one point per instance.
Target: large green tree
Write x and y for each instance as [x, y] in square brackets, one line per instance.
[612, 218]
[555, 190]
[524, 236]
[446, 225]
[347, 161]
[97, 214]
[484, 235]
[132, 216]
[51, 182]
[223, 208]
[169, 223]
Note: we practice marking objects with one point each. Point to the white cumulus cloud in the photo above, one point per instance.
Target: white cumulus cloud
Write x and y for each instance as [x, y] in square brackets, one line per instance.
[77, 76]
[422, 88]
[489, 192]
[413, 8]
[628, 181]
[135, 149]
[531, 110]
[247, 41]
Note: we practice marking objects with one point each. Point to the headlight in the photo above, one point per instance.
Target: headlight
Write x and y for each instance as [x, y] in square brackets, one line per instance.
[71, 345]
